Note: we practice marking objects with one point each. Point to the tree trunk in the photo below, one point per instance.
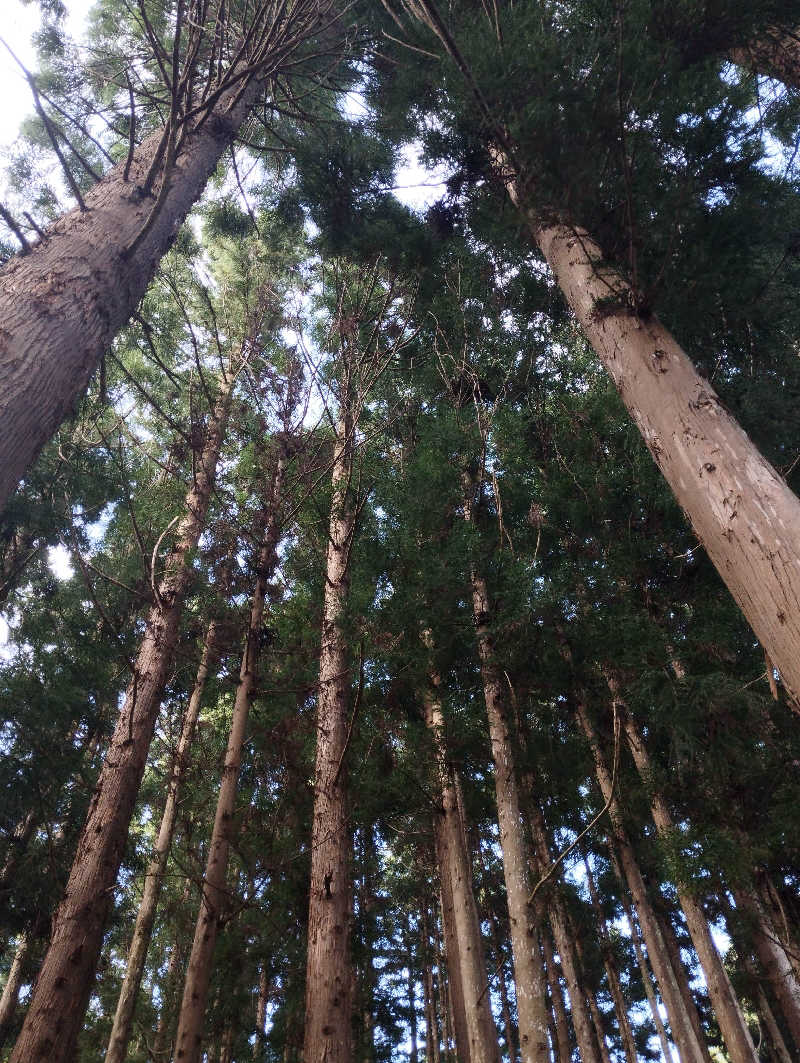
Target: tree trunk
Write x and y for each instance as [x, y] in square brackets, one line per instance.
[581, 1019]
[773, 959]
[413, 1054]
[62, 303]
[62, 989]
[16, 974]
[529, 976]
[259, 1045]
[774, 1035]
[742, 511]
[614, 984]
[161, 1050]
[775, 53]
[328, 1035]
[214, 896]
[689, 1048]
[670, 938]
[505, 1007]
[723, 999]
[432, 1036]
[154, 876]
[459, 912]
[557, 1001]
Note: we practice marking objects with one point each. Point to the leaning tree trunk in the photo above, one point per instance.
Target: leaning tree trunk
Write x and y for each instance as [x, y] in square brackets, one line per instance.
[62, 989]
[723, 999]
[689, 1047]
[328, 1034]
[16, 975]
[529, 976]
[154, 876]
[772, 956]
[214, 895]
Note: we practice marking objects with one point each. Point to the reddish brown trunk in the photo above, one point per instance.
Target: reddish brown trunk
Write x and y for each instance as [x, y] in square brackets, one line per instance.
[328, 1037]
[689, 1048]
[742, 511]
[214, 897]
[726, 1006]
[62, 990]
[562, 1043]
[775, 53]
[154, 876]
[529, 976]
[459, 912]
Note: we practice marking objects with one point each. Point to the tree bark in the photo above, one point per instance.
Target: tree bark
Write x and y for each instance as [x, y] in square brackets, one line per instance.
[774, 1035]
[328, 1035]
[529, 976]
[563, 1044]
[154, 876]
[459, 913]
[259, 1045]
[62, 989]
[723, 999]
[16, 974]
[581, 1019]
[214, 896]
[609, 962]
[775, 53]
[683, 1034]
[432, 1034]
[62, 303]
[772, 956]
[742, 511]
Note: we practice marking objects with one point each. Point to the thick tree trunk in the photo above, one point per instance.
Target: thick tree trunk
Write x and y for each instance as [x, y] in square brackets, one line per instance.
[723, 999]
[214, 896]
[563, 1043]
[742, 511]
[776, 54]
[459, 910]
[154, 876]
[62, 989]
[689, 1047]
[328, 1036]
[581, 1019]
[772, 956]
[16, 975]
[529, 976]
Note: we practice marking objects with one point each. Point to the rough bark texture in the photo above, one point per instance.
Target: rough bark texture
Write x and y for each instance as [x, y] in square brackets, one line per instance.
[689, 1048]
[740, 508]
[214, 897]
[772, 956]
[723, 999]
[529, 976]
[62, 304]
[775, 53]
[62, 989]
[154, 876]
[459, 913]
[10, 998]
[328, 1035]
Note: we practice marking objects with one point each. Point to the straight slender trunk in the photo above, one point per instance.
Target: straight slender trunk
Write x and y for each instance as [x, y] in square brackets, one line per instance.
[446, 990]
[161, 1050]
[609, 962]
[16, 975]
[214, 896]
[686, 1041]
[62, 989]
[154, 876]
[564, 939]
[413, 1054]
[260, 1043]
[529, 976]
[774, 1035]
[460, 916]
[432, 1035]
[741, 510]
[670, 938]
[723, 999]
[772, 956]
[563, 1042]
[599, 1027]
[328, 1035]
[505, 1007]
